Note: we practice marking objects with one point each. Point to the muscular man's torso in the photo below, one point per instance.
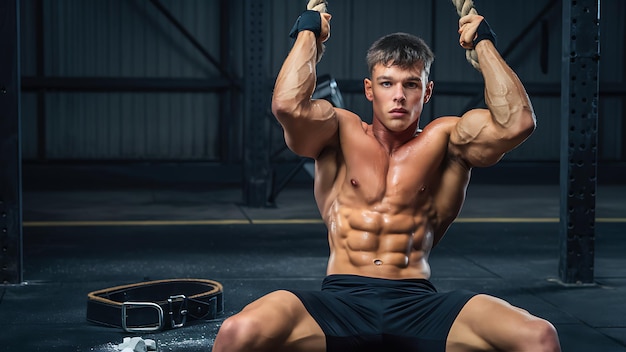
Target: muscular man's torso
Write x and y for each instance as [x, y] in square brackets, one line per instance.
[384, 210]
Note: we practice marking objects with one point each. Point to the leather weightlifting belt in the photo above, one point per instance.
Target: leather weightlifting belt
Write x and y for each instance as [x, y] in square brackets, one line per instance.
[156, 305]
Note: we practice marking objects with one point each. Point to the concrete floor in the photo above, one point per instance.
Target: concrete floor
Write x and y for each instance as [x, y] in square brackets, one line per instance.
[506, 243]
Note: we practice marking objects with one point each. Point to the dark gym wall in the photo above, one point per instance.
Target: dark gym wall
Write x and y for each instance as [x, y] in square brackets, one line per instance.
[133, 42]
[118, 39]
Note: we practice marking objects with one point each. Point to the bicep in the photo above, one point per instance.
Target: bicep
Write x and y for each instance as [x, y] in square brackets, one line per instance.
[477, 140]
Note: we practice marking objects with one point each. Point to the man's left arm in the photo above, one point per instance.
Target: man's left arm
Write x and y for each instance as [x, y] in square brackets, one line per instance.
[483, 136]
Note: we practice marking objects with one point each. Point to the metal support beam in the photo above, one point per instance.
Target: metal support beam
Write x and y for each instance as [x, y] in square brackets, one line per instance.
[40, 69]
[191, 38]
[579, 131]
[10, 152]
[257, 170]
[221, 84]
[126, 84]
[230, 113]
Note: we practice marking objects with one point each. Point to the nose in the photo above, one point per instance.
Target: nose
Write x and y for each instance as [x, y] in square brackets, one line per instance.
[399, 94]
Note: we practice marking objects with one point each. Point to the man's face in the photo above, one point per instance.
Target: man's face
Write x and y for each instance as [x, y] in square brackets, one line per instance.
[398, 95]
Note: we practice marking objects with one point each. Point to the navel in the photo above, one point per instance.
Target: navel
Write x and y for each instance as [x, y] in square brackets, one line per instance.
[378, 262]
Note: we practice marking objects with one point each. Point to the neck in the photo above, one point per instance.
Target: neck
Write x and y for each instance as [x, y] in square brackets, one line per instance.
[391, 140]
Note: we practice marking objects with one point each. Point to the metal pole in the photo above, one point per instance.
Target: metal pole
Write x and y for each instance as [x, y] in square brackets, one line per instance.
[579, 133]
[10, 152]
[257, 171]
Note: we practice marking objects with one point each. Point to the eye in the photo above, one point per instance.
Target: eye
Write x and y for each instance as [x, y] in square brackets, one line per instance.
[412, 85]
[385, 84]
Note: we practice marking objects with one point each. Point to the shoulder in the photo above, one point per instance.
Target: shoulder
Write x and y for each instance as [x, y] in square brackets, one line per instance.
[442, 123]
[441, 133]
[350, 122]
[440, 127]
[347, 116]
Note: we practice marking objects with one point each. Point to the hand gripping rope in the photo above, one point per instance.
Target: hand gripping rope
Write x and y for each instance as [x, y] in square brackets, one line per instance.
[466, 7]
[317, 5]
[310, 20]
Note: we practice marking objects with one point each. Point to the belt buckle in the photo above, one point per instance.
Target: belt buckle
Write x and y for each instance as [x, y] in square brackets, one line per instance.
[127, 305]
[182, 312]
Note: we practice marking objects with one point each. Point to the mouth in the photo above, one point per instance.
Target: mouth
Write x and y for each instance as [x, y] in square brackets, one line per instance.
[398, 111]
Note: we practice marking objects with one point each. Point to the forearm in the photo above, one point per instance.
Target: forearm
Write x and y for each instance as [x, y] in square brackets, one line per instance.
[309, 125]
[296, 80]
[505, 95]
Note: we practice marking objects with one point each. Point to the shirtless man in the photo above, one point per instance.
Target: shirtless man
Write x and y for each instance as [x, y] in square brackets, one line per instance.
[387, 193]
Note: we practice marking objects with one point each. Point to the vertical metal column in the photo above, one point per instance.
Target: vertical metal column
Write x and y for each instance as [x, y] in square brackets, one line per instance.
[579, 131]
[229, 121]
[257, 172]
[10, 152]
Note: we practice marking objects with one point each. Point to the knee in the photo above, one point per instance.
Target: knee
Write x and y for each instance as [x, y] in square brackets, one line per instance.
[540, 335]
[237, 333]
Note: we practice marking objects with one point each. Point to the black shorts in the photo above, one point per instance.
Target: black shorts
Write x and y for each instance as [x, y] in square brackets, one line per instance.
[360, 313]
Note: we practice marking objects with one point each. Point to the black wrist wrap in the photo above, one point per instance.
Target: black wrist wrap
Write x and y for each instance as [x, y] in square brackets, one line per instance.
[309, 21]
[484, 32]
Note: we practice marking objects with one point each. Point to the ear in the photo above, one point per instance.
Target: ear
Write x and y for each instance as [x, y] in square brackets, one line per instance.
[429, 91]
[367, 83]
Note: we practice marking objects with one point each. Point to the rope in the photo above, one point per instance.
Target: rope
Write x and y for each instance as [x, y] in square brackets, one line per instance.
[463, 8]
[317, 5]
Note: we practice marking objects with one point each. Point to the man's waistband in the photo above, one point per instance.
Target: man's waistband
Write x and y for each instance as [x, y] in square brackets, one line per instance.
[345, 281]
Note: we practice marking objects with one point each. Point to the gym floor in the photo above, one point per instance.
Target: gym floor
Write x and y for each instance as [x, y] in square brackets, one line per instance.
[505, 243]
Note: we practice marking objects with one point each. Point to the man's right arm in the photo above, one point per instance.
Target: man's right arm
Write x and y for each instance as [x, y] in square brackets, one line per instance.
[309, 125]
[483, 136]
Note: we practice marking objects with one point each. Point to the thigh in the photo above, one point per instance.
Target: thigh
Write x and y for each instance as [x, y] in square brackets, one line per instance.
[282, 315]
[486, 323]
